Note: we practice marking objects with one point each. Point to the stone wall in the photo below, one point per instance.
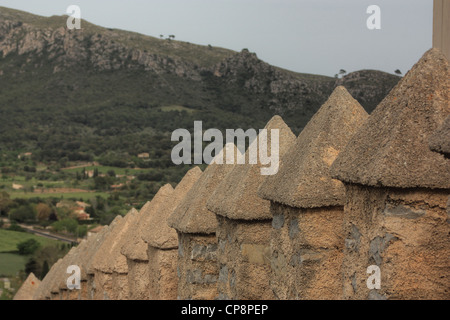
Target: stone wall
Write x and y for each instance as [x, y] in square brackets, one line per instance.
[84, 290]
[244, 259]
[138, 280]
[91, 286]
[163, 273]
[197, 267]
[306, 252]
[120, 286]
[103, 286]
[405, 232]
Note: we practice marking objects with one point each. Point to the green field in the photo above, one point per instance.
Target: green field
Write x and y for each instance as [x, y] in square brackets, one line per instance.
[176, 108]
[10, 239]
[105, 169]
[71, 195]
[11, 263]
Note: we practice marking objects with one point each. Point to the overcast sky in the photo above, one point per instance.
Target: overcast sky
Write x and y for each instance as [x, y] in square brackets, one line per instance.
[311, 36]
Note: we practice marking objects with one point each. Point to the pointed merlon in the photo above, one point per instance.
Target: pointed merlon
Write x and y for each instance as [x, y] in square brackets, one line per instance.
[44, 288]
[28, 288]
[392, 148]
[75, 259]
[134, 248]
[304, 179]
[236, 196]
[157, 232]
[61, 271]
[440, 139]
[192, 216]
[100, 240]
[106, 258]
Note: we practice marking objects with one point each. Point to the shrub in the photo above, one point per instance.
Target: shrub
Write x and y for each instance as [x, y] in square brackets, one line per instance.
[23, 213]
[68, 225]
[28, 247]
[15, 227]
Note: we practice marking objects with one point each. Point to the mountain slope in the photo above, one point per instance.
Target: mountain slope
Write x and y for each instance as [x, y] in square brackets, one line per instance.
[111, 94]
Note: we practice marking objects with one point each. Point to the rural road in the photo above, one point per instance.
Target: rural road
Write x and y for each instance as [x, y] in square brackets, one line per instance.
[46, 234]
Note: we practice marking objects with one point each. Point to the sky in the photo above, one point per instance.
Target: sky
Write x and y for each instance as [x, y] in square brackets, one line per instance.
[308, 36]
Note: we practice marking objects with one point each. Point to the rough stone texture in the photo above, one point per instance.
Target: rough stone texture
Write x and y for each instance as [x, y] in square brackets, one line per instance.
[110, 261]
[304, 179]
[120, 286]
[43, 291]
[55, 296]
[61, 272]
[91, 286]
[157, 232]
[306, 252]
[236, 196]
[102, 286]
[192, 215]
[197, 267]
[403, 231]
[244, 259]
[163, 244]
[28, 288]
[84, 292]
[135, 249]
[392, 149]
[75, 259]
[196, 226]
[108, 257]
[73, 294]
[94, 243]
[88, 271]
[138, 280]
[162, 266]
[440, 139]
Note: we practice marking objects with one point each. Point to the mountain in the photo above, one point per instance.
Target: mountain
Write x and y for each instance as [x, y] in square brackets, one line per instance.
[108, 94]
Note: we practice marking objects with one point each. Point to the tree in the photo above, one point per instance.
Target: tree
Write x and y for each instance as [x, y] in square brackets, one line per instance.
[23, 213]
[101, 183]
[43, 211]
[5, 203]
[342, 72]
[82, 231]
[28, 247]
[111, 173]
[15, 227]
[66, 225]
[398, 72]
[32, 266]
[45, 269]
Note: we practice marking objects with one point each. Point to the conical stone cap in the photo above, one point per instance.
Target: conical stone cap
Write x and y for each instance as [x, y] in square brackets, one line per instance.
[28, 288]
[157, 232]
[304, 178]
[134, 248]
[392, 148]
[100, 240]
[108, 257]
[440, 139]
[192, 216]
[236, 196]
